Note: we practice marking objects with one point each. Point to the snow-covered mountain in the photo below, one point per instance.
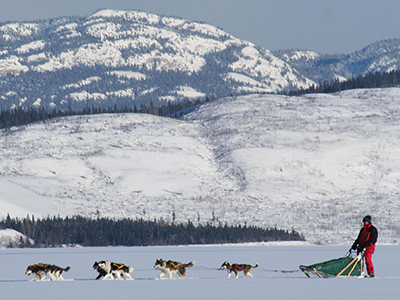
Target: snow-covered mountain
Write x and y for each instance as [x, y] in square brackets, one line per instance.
[129, 58]
[380, 56]
[316, 163]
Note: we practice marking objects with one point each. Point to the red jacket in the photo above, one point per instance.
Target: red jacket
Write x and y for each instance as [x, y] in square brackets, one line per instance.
[366, 238]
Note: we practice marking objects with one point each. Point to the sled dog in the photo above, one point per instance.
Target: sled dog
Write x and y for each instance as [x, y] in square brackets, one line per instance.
[41, 270]
[112, 270]
[236, 268]
[169, 267]
[101, 272]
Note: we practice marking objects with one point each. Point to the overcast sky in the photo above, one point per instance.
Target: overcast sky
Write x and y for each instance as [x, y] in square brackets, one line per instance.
[324, 26]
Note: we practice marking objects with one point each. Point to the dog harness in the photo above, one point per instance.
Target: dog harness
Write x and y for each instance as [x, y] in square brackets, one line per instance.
[240, 267]
[175, 264]
[120, 266]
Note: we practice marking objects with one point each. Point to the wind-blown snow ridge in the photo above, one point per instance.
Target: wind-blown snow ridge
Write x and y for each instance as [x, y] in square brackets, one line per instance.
[316, 163]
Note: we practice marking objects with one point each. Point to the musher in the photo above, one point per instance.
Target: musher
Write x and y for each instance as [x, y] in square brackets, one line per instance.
[366, 241]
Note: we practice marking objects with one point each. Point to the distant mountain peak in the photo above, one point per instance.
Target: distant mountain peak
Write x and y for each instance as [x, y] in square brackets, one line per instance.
[380, 56]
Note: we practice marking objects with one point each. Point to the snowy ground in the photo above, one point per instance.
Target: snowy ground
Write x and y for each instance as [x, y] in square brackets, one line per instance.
[316, 163]
[205, 281]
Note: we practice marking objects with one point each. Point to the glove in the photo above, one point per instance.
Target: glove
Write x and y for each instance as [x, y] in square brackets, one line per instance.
[360, 249]
[354, 247]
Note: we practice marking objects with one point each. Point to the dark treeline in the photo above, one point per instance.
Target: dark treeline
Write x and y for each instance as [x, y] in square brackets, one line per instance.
[20, 116]
[370, 80]
[78, 230]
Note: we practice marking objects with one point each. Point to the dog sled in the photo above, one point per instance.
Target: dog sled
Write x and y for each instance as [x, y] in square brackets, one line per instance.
[346, 266]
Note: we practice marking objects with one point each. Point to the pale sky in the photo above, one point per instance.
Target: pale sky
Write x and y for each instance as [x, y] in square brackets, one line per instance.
[324, 26]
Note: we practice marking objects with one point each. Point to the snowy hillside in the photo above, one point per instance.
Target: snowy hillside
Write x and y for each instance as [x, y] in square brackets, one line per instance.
[11, 238]
[315, 163]
[128, 58]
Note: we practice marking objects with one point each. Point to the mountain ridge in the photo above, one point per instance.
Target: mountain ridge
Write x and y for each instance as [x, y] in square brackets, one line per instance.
[380, 56]
[126, 58]
[129, 58]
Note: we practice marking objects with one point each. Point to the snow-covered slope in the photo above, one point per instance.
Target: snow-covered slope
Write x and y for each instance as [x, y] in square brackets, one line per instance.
[380, 56]
[135, 57]
[315, 163]
[11, 238]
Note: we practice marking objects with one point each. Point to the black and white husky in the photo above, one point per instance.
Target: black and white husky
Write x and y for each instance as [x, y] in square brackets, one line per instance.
[112, 270]
[41, 270]
[236, 268]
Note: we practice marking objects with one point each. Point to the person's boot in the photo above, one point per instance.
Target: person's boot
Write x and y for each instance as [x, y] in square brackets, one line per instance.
[371, 275]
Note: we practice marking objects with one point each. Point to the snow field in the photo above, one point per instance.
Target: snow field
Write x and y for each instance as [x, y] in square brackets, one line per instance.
[204, 280]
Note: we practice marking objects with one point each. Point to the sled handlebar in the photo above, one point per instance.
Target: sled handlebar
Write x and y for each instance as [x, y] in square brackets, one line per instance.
[349, 252]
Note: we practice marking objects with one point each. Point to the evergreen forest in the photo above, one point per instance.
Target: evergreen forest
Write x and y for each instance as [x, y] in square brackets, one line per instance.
[79, 230]
[368, 81]
[20, 116]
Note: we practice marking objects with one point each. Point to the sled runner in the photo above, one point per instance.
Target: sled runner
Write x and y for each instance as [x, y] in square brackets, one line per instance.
[344, 266]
